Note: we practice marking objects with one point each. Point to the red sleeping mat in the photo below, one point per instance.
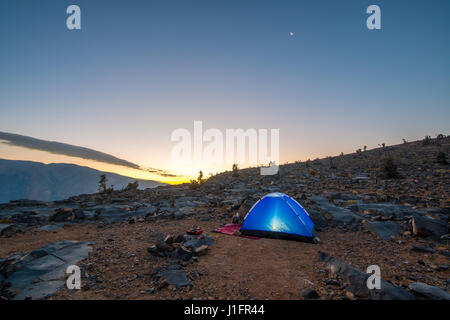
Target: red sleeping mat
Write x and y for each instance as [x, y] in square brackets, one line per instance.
[230, 230]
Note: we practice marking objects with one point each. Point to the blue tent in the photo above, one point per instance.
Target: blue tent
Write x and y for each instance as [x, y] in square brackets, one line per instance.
[277, 215]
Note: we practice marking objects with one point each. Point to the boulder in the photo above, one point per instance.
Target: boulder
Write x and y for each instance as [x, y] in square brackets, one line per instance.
[4, 228]
[164, 247]
[63, 214]
[309, 293]
[182, 253]
[179, 238]
[202, 250]
[340, 215]
[427, 227]
[245, 208]
[145, 211]
[9, 230]
[113, 213]
[79, 214]
[169, 239]
[355, 281]
[198, 241]
[386, 230]
[319, 219]
[29, 218]
[155, 251]
[183, 213]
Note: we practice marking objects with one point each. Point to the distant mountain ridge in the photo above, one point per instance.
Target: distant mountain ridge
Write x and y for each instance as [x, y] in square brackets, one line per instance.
[55, 181]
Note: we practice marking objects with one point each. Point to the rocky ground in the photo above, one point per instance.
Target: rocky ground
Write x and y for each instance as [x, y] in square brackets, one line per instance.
[132, 244]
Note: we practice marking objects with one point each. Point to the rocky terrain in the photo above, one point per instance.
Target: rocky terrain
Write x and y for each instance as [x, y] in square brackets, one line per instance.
[132, 244]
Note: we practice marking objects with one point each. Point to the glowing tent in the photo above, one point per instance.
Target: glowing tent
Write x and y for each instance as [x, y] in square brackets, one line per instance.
[277, 215]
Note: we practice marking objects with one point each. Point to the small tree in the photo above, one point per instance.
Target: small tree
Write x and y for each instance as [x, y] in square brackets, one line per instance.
[365, 148]
[200, 179]
[102, 184]
[235, 170]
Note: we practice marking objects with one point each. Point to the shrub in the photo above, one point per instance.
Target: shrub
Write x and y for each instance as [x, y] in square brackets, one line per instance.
[110, 189]
[389, 168]
[132, 186]
[426, 141]
[332, 165]
[442, 158]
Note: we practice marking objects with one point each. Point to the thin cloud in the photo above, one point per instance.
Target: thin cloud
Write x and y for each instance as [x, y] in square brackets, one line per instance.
[72, 151]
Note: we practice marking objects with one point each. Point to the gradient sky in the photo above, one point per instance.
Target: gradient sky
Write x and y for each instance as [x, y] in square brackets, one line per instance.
[140, 69]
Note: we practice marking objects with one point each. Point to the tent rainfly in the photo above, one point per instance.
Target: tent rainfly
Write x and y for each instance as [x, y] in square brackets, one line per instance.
[277, 215]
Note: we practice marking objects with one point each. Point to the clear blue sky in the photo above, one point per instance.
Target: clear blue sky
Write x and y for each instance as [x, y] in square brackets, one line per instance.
[140, 69]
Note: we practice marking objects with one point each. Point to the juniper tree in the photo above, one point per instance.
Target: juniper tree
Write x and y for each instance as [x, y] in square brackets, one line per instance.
[235, 170]
[102, 184]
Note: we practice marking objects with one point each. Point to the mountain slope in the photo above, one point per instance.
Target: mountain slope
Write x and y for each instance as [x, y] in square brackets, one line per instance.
[56, 181]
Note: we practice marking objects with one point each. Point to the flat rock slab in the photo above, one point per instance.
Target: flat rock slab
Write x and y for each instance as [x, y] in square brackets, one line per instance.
[385, 230]
[421, 248]
[430, 292]
[40, 290]
[175, 276]
[340, 215]
[38, 274]
[113, 213]
[385, 209]
[52, 227]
